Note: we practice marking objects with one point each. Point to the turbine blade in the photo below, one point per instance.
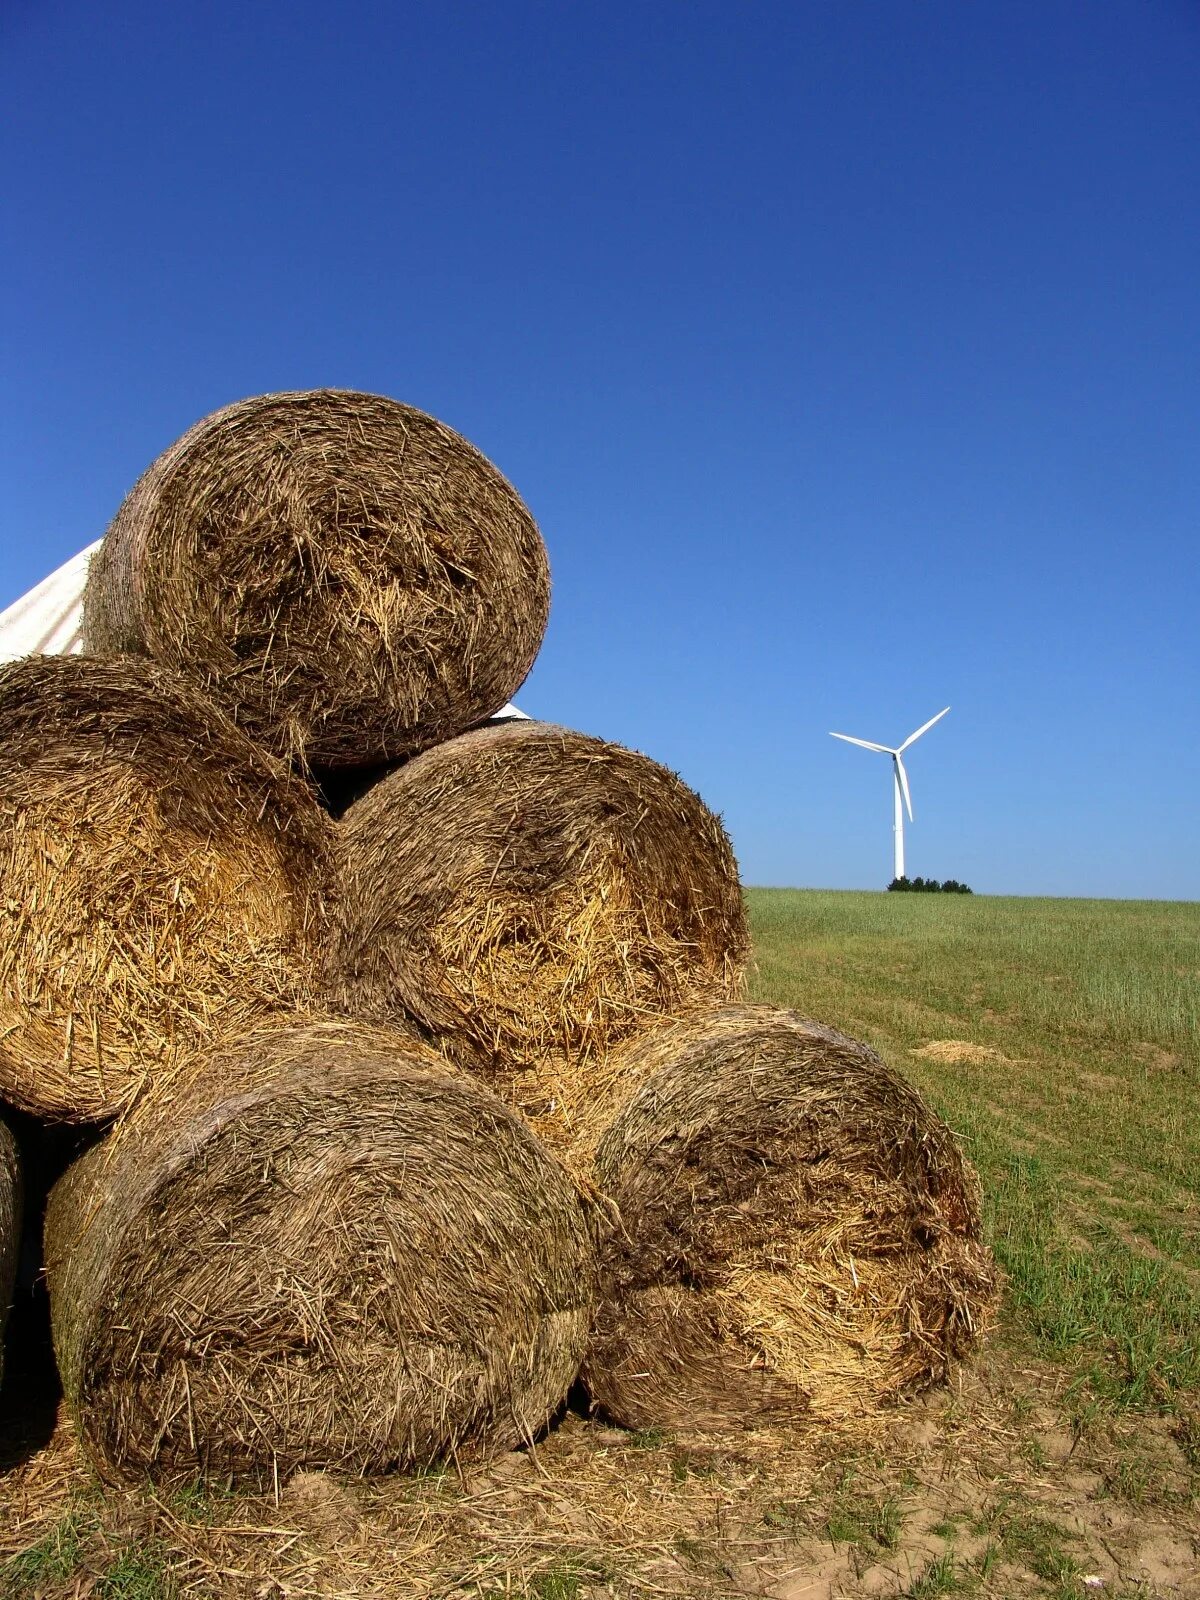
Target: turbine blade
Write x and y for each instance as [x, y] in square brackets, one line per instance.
[903, 776]
[924, 728]
[866, 743]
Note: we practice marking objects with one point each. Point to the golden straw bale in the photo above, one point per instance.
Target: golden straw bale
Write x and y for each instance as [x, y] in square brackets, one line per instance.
[532, 896]
[11, 1191]
[325, 1248]
[799, 1234]
[349, 576]
[163, 878]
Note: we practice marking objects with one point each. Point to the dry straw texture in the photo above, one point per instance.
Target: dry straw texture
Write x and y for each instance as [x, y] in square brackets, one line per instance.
[353, 579]
[10, 1225]
[530, 897]
[163, 878]
[799, 1234]
[327, 1249]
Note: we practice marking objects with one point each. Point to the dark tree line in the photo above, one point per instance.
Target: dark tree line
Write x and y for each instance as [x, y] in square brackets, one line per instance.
[928, 886]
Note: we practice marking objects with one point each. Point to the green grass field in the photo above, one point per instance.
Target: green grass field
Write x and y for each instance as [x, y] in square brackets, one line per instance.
[1074, 1084]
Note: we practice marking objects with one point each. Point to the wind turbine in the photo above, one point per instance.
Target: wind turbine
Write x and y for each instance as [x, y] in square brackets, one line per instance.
[900, 778]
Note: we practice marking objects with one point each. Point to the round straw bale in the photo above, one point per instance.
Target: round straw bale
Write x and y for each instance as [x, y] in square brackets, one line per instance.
[350, 577]
[163, 878]
[10, 1225]
[325, 1249]
[799, 1233]
[531, 896]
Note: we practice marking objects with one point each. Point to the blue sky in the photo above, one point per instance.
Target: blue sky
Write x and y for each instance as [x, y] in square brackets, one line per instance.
[847, 354]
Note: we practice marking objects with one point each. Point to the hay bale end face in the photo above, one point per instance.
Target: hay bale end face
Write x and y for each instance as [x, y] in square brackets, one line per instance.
[11, 1193]
[349, 576]
[164, 878]
[799, 1233]
[326, 1250]
[532, 896]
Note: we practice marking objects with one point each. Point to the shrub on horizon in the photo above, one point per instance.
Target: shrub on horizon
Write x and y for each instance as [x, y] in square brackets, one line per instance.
[928, 886]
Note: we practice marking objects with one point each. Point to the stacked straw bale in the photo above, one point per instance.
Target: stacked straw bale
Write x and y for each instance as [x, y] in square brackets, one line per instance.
[348, 575]
[164, 878]
[798, 1234]
[324, 1248]
[11, 1191]
[531, 897]
[318, 1243]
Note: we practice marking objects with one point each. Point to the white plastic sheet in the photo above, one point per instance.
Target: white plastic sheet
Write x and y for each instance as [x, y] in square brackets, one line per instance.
[48, 620]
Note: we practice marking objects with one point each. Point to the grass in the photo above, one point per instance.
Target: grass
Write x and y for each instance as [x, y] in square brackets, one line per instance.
[140, 1573]
[1040, 1543]
[52, 1559]
[647, 1439]
[559, 1582]
[133, 1572]
[1075, 1096]
[872, 1525]
[939, 1576]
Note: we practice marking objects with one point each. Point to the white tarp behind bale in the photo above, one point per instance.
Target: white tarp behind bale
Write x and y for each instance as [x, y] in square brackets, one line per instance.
[48, 620]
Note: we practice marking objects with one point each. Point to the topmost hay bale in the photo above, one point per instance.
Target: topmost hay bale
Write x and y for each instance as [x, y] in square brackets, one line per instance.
[354, 580]
[530, 897]
[163, 878]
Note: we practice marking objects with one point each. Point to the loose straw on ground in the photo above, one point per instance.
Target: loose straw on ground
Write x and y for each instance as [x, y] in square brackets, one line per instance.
[798, 1234]
[531, 897]
[164, 878]
[348, 575]
[324, 1249]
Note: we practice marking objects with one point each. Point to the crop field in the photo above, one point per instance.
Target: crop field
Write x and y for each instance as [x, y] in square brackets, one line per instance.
[1061, 1040]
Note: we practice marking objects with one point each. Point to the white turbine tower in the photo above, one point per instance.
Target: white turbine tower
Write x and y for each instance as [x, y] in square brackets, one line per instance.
[900, 779]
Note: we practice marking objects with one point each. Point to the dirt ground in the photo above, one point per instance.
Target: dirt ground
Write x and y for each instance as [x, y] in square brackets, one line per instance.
[1005, 1485]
